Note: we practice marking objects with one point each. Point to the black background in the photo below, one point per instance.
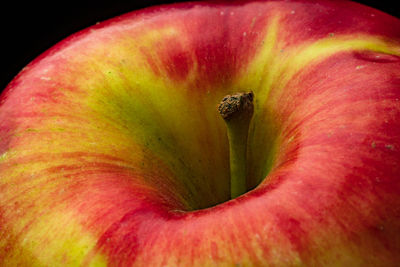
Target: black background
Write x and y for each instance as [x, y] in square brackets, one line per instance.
[28, 29]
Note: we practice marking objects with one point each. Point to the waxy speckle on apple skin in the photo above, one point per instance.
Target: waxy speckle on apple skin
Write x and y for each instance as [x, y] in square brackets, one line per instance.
[139, 171]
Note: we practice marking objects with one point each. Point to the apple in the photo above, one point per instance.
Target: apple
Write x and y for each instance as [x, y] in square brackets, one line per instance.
[112, 151]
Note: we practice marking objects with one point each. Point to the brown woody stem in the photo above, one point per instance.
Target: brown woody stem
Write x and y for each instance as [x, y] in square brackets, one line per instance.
[237, 111]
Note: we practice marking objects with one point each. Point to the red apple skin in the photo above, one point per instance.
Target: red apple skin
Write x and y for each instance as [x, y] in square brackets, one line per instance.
[111, 148]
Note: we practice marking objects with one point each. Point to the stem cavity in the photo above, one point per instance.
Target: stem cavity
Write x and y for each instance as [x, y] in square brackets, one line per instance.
[237, 111]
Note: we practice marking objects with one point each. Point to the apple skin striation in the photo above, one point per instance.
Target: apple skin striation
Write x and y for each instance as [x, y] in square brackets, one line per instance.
[112, 151]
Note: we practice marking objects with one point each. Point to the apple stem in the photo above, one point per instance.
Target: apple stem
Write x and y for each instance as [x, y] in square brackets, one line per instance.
[237, 111]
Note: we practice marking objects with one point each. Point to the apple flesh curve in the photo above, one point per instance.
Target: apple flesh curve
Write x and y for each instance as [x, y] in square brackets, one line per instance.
[111, 148]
